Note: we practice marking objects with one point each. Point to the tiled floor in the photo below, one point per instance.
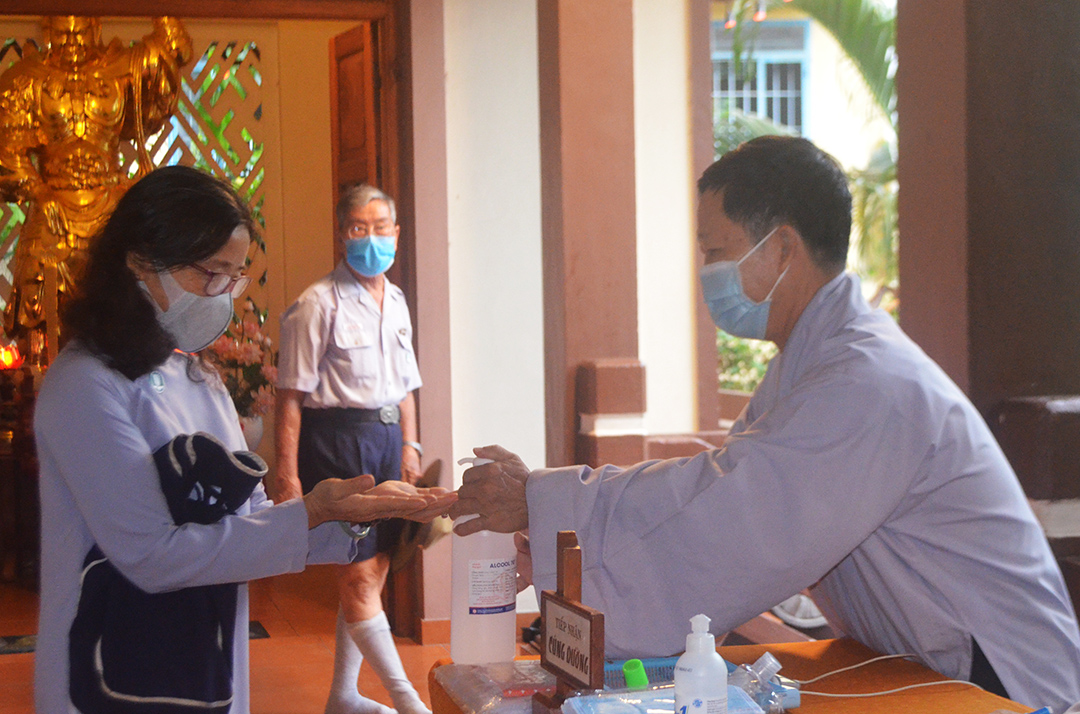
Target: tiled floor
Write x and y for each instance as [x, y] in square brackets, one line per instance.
[290, 671]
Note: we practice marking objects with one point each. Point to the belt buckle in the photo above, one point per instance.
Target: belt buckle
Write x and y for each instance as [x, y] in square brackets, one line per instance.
[389, 414]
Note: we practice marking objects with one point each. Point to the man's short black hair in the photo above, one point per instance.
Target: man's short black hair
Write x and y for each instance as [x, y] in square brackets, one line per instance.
[775, 180]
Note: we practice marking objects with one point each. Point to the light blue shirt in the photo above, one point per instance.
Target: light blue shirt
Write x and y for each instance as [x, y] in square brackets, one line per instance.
[858, 469]
[96, 432]
[344, 349]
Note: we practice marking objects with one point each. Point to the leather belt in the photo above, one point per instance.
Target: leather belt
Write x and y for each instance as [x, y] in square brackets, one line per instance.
[389, 414]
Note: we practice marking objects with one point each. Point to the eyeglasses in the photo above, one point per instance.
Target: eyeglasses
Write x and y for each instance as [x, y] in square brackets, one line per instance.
[219, 283]
[362, 230]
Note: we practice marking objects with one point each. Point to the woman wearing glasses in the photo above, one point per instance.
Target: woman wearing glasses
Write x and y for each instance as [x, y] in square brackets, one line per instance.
[127, 389]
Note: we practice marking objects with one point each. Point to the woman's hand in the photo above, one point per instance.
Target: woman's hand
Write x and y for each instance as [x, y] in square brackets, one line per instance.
[358, 500]
[438, 503]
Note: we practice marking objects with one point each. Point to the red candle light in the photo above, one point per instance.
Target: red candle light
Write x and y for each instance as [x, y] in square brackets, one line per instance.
[10, 357]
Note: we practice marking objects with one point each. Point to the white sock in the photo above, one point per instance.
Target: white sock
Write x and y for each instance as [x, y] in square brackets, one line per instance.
[344, 697]
[377, 645]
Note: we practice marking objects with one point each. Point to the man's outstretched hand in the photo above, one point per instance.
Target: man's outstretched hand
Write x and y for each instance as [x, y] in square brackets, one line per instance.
[495, 491]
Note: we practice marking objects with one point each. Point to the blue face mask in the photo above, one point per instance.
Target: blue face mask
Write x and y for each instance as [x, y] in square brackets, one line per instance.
[731, 310]
[370, 255]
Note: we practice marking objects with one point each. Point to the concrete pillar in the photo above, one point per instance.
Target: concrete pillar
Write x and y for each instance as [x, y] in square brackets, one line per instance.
[587, 189]
[931, 39]
[424, 106]
[989, 106]
[701, 129]
[989, 151]
[611, 412]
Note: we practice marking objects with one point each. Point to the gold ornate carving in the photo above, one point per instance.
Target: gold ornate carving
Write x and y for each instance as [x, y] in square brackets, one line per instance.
[63, 113]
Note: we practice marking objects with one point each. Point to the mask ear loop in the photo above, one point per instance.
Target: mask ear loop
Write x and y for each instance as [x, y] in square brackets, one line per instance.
[777, 283]
[758, 245]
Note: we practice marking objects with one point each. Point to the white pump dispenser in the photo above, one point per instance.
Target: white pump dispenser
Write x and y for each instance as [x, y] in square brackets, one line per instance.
[700, 674]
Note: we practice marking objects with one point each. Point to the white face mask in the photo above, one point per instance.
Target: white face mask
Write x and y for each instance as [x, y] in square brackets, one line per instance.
[194, 321]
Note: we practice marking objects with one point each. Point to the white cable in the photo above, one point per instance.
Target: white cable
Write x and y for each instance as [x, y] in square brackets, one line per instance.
[890, 691]
[846, 669]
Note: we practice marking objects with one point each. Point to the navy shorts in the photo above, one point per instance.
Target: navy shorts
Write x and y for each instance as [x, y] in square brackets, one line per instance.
[336, 443]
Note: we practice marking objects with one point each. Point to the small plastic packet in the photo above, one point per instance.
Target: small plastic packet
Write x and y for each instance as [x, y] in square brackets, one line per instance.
[658, 700]
[496, 688]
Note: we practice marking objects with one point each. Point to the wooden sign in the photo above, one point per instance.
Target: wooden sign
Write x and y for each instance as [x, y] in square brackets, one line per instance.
[568, 641]
[571, 634]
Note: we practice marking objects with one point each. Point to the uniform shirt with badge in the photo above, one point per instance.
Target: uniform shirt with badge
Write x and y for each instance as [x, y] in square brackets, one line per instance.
[339, 348]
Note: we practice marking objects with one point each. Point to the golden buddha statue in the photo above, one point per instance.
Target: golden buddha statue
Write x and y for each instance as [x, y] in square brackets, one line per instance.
[63, 113]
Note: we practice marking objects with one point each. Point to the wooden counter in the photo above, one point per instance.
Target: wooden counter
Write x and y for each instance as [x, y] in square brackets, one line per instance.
[805, 660]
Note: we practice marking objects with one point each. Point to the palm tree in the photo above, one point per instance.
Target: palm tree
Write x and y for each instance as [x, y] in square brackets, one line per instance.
[866, 32]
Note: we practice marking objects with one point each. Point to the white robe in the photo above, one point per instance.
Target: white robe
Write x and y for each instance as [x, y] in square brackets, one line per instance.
[859, 469]
[96, 432]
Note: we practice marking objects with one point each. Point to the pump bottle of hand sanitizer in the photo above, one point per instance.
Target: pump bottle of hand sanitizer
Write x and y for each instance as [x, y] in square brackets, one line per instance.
[700, 674]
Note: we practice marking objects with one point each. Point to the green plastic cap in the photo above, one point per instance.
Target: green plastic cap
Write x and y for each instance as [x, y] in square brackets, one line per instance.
[634, 672]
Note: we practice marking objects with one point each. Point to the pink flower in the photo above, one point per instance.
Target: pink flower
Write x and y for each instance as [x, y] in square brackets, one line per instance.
[244, 359]
[249, 353]
[264, 400]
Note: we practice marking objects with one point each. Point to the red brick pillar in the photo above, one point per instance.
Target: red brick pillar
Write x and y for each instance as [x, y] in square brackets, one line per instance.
[989, 214]
[611, 412]
[588, 197]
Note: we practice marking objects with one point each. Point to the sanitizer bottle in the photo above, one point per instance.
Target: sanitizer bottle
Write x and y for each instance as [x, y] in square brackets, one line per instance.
[700, 674]
[483, 594]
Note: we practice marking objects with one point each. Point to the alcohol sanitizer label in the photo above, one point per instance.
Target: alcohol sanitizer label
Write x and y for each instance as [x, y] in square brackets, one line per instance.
[492, 586]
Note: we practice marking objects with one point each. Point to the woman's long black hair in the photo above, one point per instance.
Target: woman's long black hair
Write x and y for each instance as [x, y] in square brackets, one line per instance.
[173, 216]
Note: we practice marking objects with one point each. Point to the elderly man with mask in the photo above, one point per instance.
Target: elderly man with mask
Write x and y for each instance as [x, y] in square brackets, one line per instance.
[858, 469]
[345, 406]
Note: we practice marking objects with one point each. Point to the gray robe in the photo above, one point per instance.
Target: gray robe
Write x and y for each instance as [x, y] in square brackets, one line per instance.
[858, 469]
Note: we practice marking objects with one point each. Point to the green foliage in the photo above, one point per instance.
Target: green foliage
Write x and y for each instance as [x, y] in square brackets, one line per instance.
[875, 253]
[740, 11]
[866, 32]
[742, 362]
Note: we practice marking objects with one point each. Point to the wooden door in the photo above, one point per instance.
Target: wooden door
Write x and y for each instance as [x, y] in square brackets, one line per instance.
[363, 90]
[353, 86]
[364, 130]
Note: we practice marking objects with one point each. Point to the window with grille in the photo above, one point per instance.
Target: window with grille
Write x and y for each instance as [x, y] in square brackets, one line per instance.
[770, 79]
